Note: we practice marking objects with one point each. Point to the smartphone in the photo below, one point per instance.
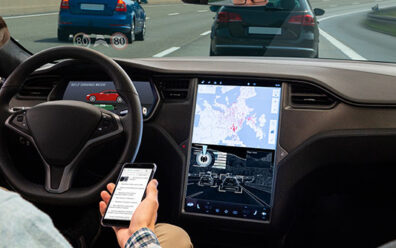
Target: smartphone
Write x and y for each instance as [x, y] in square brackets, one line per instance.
[129, 191]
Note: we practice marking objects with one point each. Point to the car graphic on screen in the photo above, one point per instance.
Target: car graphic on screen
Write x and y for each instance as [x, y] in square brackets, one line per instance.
[104, 96]
[206, 180]
[230, 184]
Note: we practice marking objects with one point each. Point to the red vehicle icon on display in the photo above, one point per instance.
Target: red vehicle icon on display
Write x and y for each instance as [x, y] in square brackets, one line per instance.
[104, 96]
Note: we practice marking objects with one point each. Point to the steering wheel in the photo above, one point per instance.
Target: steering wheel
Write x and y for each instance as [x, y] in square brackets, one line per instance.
[64, 131]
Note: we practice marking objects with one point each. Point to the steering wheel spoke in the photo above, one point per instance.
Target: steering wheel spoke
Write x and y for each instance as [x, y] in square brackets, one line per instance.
[110, 126]
[18, 122]
[58, 179]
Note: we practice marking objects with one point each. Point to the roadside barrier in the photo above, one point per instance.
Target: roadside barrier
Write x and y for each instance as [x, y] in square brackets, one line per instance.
[375, 16]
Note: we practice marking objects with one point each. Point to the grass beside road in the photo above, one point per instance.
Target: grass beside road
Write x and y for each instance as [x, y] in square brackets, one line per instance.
[386, 28]
[382, 26]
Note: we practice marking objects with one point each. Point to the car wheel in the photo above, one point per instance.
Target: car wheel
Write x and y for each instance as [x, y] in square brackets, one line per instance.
[140, 36]
[131, 35]
[92, 98]
[119, 99]
[62, 36]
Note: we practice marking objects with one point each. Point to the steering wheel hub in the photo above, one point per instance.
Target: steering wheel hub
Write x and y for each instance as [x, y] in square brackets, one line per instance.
[60, 129]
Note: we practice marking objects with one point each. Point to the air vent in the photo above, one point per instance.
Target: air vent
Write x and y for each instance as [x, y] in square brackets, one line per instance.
[174, 89]
[308, 96]
[38, 87]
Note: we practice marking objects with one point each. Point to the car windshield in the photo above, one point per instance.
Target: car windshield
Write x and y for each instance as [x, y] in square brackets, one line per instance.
[336, 29]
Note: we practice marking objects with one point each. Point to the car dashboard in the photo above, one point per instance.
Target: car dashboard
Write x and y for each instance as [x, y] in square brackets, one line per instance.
[327, 113]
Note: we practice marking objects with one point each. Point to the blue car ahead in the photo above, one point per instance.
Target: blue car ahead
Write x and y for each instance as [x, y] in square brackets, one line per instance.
[102, 17]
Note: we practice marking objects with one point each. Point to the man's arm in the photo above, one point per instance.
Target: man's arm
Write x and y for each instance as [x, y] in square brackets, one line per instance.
[142, 238]
[24, 225]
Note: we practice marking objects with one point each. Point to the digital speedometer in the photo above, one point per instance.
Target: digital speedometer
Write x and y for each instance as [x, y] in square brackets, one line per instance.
[103, 94]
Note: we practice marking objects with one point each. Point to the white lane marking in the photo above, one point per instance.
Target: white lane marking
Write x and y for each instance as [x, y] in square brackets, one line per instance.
[257, 199]
[202, 10]
[173, 14]
[338, 15]
[206, 33]
[148, 18]
[162, 5]
[342, 47]
[25, 16]
[195, 194]
[166, 52]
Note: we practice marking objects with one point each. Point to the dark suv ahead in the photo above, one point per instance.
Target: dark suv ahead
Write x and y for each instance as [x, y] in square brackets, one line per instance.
[280, 28]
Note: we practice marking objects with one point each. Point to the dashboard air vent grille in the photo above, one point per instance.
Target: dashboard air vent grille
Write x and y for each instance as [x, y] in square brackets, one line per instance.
[308, 96]
[174, 89]
[37, 87]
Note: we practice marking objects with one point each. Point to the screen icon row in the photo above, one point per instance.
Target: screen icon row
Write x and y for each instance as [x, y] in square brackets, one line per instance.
[208, 207]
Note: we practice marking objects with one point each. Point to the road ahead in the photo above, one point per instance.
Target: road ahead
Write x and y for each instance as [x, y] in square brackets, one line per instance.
[184, 30]
[173, 25]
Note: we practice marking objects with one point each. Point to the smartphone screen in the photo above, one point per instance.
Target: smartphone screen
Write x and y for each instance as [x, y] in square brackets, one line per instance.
[128, 193]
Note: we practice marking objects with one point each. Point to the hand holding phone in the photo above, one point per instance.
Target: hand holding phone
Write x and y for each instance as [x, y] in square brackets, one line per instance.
[144, 216]
[146, 213]
[128, 193]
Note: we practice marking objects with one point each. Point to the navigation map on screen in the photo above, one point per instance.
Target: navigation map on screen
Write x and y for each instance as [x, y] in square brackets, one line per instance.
[239, 116]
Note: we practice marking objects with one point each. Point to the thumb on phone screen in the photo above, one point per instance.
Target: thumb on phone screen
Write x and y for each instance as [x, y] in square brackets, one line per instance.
[145, 214]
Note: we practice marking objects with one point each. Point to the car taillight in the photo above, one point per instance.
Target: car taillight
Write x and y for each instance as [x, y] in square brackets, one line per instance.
[305, 20]
[225, 17]
[65, 4]
[121, 6]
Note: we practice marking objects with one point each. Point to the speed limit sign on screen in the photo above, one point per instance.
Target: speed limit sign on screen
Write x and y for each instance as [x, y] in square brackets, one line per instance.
[119, 41]
[82, 39]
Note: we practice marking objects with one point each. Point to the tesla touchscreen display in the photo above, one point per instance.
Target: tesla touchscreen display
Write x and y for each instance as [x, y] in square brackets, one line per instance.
[233, 147]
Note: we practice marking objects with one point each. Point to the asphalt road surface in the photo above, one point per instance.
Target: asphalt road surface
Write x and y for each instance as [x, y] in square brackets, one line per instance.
[184, 30]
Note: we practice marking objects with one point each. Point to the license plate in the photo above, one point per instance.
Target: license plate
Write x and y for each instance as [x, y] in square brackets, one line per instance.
[96, 7]
[265, 30]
